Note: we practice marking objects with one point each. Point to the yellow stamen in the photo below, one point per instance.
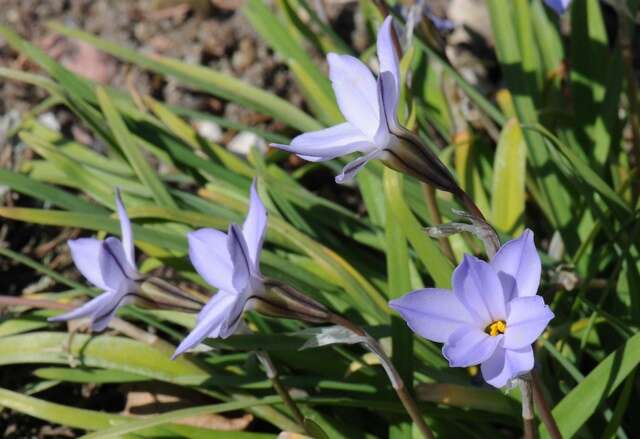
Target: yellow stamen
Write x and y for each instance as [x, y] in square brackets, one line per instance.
[497, 327]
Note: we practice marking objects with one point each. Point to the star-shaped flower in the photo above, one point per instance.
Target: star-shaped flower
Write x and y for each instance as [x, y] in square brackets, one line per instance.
[492, 316]
[109, 265]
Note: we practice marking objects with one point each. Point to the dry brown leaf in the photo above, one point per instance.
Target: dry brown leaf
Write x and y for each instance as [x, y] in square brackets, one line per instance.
[142, 402]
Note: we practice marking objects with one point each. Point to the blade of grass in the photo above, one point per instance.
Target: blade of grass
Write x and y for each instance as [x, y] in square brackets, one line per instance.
[144, 171]
[204, 79]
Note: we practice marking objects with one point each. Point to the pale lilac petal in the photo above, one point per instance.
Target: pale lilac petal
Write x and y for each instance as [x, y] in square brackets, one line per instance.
[240, 258]
[559, 6]
[387, 55]
[85, 310]
[477, 286]
[506, 364]
[355, 90]
[528, 316]
[469, 345]
[432, 313]
[353, 167]
[104, 315]
[254, 227]
[328, 143]
[209, 255]
[388, 98]
[518, 266]
[86, 254]
[236, 310]
[127, 234]
[211, 321]
[114, 264]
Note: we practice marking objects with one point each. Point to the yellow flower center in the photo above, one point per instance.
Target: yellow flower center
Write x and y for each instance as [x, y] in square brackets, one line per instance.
[497, 327]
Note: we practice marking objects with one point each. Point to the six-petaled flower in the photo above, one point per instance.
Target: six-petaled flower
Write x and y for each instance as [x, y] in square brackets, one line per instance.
[491, 318]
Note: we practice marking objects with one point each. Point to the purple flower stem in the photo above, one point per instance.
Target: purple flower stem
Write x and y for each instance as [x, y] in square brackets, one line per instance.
[396, 381]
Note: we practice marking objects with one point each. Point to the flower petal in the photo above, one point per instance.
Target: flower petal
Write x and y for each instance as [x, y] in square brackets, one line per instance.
[469, 345]
[328, 143]
[389, 69]
[127, 234]
[518, 266]
[115, 266]
[387, 56]
[354, 166]
[477, 286]
[107, 312]
[355, 90]
[432, 313]
[528, 316]
[86, 254]
[211, 320]
[388, 98]
[254, 227]
[210, 257]
[85, 310]
[240, 258]
[559, 6]
[506, 364]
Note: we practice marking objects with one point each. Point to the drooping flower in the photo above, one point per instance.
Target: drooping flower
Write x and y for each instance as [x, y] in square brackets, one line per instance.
[371, 126]
[559, 6]
[109, 265]
[492, 316]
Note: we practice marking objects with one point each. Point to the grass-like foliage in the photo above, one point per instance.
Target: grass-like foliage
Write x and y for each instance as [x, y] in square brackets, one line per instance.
[556, 151]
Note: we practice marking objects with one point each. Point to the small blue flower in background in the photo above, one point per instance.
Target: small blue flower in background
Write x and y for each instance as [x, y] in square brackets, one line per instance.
[559, 6]
[109, 265]
[442, 24]
[368, 107]
[230, 262]
[492, 316]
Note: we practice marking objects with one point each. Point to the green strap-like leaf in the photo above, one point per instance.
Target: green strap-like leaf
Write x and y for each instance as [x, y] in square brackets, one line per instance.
[130, 148]
[204, 79]
[584, 399]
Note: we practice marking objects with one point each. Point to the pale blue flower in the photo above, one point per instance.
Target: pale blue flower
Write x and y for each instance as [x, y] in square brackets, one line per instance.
[229, 262]
[492, 316]
[368, 106]
[109, 265]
